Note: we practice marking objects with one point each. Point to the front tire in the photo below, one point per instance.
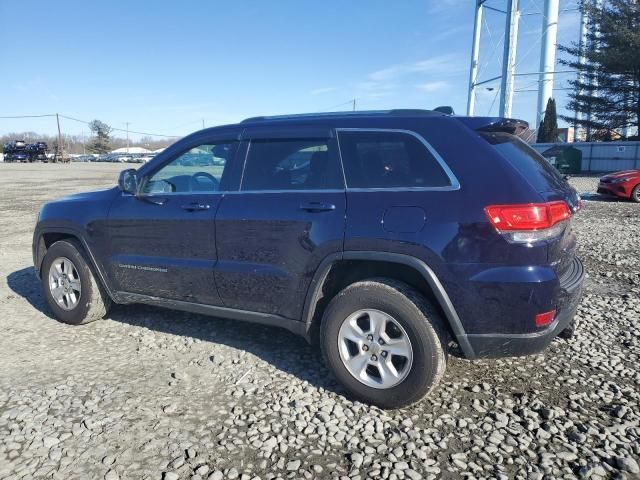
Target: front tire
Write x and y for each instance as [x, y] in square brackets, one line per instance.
[71, 290]
[384, 342]
[635, 194]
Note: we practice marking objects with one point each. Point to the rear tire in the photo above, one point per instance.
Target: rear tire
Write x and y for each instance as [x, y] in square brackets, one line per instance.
[71, 290]
[408, 362]
[635, 194]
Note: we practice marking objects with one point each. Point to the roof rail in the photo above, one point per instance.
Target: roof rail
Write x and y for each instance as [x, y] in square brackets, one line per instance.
[393, 112]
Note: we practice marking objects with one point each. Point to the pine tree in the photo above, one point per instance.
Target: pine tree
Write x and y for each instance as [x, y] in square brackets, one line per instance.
[101, 143]
[548, 129]
[607, 90]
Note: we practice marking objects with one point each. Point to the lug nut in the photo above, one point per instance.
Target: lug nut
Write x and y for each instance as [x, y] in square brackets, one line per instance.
[365, 347]
[374, 357]
[381, 341]
[384, 354]
[370, 337]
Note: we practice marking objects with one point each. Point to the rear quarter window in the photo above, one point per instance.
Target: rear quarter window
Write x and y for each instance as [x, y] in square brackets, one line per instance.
[388, 159]
[530, 164]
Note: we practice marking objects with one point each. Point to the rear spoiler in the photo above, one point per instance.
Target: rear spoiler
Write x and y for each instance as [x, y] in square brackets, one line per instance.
[496, 124]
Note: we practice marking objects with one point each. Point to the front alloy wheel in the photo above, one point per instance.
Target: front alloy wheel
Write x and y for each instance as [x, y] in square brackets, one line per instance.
[64, 283]
[70, 288]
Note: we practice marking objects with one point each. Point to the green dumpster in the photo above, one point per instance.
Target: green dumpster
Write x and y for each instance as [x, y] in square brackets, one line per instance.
[566, 159]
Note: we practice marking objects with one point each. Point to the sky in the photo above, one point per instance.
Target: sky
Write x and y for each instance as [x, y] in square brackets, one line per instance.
[166, 66]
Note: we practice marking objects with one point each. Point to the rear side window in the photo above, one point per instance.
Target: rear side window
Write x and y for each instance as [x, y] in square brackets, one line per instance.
[541, 174]
[386, 159]
[291, 165]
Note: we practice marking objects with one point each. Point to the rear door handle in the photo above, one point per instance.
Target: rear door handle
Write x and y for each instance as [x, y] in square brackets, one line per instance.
[195, 206]
[317, 207]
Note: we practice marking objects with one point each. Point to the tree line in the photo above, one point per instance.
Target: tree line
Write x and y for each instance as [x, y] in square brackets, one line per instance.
[100, 141]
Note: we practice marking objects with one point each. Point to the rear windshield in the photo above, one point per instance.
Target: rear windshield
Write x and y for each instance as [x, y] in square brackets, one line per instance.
[539, 173]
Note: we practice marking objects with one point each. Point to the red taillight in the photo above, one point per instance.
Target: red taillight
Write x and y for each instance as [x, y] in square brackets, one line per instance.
[530, 217]
[544, 319]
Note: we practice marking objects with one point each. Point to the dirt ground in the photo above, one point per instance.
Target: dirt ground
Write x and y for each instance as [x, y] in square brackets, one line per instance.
[151, 393]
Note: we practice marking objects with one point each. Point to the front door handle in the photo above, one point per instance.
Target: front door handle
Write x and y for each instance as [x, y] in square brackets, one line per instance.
[195, 206]
[317, 207]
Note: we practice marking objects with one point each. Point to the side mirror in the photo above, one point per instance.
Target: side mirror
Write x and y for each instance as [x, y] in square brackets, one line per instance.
[128, 181]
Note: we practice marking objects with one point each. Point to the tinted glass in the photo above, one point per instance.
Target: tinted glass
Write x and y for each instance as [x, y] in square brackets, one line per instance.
[291, 165]
[389, 160]
[538, 172]
[198, 170]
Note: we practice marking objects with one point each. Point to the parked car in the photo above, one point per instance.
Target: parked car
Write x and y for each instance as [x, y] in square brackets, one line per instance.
[82, 158]
[16, 151]
[37, 151]
[403, 233]
[625, 184]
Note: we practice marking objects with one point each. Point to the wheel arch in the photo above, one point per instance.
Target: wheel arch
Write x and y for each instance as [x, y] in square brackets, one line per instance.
[44, 238]
[341, 269]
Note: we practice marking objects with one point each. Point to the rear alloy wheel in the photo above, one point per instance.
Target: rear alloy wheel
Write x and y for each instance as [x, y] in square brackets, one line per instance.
[375, 348]
[71, 290]
[635, 194]
[384, 342]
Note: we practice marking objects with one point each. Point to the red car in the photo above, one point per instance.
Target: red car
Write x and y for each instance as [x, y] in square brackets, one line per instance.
[624, 184]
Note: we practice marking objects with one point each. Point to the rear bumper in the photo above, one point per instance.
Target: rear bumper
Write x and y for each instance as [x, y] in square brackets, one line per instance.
[511, 345]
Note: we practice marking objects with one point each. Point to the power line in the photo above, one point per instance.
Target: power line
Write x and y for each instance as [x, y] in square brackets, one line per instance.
[29, 116]
[124, 130]
[350, 102]
[86, 123]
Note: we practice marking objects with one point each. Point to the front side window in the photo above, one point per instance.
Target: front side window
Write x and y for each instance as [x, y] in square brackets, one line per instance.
[200, 169]
[385, 159]
[298, 164]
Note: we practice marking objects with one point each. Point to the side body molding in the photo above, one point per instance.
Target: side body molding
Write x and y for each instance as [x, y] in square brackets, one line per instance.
[427, 273]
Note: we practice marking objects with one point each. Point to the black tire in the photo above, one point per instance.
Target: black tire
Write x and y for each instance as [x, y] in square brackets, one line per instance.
[93, 302]
[420, 320]
[635, 194]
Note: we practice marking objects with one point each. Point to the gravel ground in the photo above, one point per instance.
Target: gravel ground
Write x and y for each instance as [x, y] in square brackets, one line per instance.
[150, 393]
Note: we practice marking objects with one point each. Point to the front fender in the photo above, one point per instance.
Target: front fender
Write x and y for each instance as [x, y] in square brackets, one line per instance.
[82, 216]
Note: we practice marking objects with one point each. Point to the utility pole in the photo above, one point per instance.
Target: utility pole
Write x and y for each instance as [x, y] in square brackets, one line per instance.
[60, 150]
[593, 79]
[354, 104]
[547, 55]
[509, 57]
[475, 54]
[84, 144]
[203, 123]
[127, 123]
[584, 23]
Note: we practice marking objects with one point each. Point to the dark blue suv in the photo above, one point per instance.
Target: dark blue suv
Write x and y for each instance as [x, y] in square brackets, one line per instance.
[387, 237]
